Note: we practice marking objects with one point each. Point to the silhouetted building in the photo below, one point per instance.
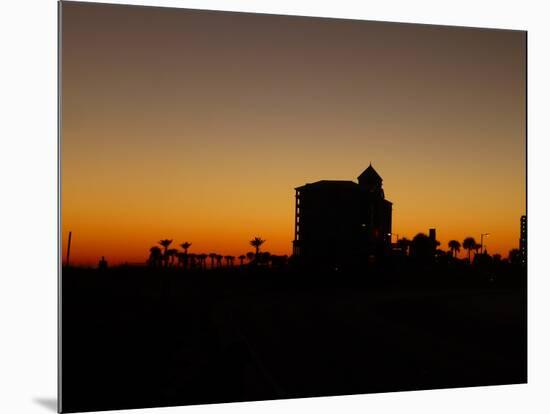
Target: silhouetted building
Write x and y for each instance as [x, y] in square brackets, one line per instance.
[523, 240]
[343, 221]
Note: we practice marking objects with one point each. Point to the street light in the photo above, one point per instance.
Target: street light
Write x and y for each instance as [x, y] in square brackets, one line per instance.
[393, 234]
[482, 235]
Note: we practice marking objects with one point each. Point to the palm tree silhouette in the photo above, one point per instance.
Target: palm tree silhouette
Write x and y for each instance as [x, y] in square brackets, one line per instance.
[257, 242]
[241, 258]
[181, 258]
[185, 246]
[212, 258]
[265, 258]
[202, 260]
[477, 247]
[469, 244]
[184, 257]
[172, 253]
[155, 256]
[229, 260]
[250, 256]
[165, 243]
[454, 246]
[192, 258]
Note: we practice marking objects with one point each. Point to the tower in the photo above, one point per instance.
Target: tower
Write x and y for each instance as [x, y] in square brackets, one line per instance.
[371, 181]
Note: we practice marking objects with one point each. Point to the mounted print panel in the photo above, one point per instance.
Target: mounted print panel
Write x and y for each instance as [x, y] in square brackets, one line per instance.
[259, 207]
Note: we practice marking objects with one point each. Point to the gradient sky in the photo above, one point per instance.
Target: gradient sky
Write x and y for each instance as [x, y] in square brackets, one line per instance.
[197, 126]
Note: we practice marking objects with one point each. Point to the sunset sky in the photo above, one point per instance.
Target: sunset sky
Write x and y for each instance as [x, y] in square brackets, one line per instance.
[197, 126]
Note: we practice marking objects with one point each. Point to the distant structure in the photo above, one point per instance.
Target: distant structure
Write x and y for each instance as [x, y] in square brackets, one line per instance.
[102, 265]
[433, 241]
[523, 240]
[343, 221]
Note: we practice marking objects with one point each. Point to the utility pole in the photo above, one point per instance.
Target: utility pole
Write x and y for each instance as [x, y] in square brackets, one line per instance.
[482, 235]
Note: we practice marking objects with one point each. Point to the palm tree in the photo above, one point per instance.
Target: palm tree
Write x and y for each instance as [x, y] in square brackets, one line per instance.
[241, 258]
[155, 256]
[202, 260]
[212, 258]
[265, 258]
[250, 256]
[172, 253]
[192, 258]
[477, 247]
[185, 246]
[181, 258]
[469, 244]
[165, 243]
[257, 242]
[229, 260]
[184, 257]
[454, 246]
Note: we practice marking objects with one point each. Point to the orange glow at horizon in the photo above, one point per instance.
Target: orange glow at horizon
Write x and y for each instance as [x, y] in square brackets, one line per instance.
[197, 126]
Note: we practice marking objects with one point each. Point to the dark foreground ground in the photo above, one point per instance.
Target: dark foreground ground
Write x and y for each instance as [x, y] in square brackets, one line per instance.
[136, 337]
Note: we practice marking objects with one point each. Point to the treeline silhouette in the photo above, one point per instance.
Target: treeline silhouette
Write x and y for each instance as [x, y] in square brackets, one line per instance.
[171, 257]
[420, 248]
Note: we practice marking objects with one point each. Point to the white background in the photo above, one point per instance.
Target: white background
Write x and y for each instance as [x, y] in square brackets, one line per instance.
[28, 179]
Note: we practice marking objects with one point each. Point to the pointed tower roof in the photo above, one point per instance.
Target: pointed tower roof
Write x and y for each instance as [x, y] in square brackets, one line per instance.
[369, 175]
